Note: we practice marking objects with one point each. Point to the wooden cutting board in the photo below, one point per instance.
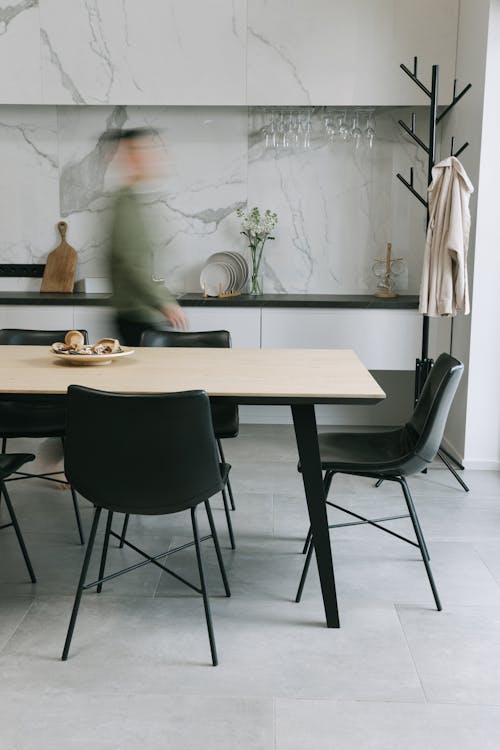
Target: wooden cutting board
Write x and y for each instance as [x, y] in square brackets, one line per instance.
[60, 269]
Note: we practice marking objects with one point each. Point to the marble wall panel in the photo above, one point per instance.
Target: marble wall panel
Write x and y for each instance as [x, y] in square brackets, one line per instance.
[192, 211]
[20, 77]
[337, 52]
[29, 184]
[148, 52]
[337, 207]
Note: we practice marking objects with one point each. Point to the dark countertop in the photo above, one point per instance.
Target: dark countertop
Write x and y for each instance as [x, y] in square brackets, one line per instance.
[360, 301]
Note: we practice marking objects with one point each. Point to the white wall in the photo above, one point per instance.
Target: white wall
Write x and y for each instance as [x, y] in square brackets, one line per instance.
[482, 434]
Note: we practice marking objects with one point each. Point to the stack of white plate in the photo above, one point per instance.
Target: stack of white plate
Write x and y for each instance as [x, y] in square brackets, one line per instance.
[224, 273]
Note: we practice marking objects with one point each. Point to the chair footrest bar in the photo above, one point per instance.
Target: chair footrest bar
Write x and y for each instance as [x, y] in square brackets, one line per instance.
[374, 523]
[6, 525]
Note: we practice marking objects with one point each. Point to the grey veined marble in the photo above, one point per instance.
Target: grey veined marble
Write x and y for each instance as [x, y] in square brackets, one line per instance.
[337, 207]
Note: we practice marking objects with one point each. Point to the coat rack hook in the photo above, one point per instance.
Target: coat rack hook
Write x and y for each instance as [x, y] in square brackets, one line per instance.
[452, 145]
[415, 61]
[461, 149]
[410, 187]
[413, 122]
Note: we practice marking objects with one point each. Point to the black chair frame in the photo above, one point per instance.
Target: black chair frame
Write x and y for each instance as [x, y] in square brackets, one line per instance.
[14, 522]
[211, 339]
[26, 337]
[392, 456]
[412, 514]
[201, 589]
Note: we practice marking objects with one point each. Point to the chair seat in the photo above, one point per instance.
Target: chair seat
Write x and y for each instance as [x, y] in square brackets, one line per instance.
[32, 419]
[11, 462]
[380, 452]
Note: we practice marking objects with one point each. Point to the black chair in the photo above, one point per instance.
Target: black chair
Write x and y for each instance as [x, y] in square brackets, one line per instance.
[225, 416]
[40, 417]
[393, 455]
[8, 465]
[152, 455]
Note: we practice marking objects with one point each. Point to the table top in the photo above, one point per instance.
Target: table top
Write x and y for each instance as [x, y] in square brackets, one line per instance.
[245, 376]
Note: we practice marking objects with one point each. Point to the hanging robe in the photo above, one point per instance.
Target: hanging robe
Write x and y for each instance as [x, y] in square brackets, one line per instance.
[444, 287]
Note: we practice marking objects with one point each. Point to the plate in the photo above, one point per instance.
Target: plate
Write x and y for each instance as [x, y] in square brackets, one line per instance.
[236, 263]
[216, 278]
[92, 359]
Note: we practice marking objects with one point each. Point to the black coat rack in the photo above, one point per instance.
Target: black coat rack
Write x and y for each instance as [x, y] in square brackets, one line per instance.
[424, 364]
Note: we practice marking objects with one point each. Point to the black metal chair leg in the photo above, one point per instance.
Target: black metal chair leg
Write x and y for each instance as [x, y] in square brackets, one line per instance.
[378, 482]
[124, 530]
[305, 571]
[230, 493]
[105, 546]
[305, 548]
[228, 483]
[206, 603]
[449, 466]
[13, 518]
[76, 508]
[228, 519]
[420, 539]
[215, 538]
[4, 445]
[81, 583]
[77, 515]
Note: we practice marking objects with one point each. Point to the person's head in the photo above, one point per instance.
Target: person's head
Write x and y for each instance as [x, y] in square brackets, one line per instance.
[140, 154]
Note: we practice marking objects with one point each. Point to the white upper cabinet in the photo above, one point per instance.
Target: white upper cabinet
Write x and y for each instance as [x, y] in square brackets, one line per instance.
[348, 53]
[223, 52]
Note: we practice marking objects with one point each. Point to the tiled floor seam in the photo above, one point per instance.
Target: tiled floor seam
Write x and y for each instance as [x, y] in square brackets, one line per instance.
[426, 700]
[18, 625]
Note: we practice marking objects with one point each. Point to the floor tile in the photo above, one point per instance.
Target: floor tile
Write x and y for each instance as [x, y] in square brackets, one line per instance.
[58, 721]
[457, 653]
[329, 725]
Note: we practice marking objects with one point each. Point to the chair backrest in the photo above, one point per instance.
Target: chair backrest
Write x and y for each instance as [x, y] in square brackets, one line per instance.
[207, 339]
[146, 454]
[26, 337]
[225, 415]
[428, 422]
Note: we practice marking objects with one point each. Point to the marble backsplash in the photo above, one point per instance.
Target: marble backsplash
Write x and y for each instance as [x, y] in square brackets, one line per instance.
[337, 207]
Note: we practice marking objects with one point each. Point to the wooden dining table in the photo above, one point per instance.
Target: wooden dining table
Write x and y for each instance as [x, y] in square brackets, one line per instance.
[299, 378]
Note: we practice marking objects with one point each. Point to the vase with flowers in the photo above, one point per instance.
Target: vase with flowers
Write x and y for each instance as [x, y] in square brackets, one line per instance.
[257, 228]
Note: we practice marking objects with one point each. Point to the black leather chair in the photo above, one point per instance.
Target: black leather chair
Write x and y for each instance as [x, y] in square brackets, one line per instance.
[225, 416]
[152, 455]
[40, 417]
[393, 455]
[8, 465]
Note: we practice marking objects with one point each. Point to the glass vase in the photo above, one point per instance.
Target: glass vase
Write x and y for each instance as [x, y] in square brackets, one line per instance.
[257, 283]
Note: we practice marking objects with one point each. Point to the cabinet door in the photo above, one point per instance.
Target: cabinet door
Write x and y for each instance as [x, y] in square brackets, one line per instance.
[98, 321]
[41, 317]
[242, 323]
[382, 339]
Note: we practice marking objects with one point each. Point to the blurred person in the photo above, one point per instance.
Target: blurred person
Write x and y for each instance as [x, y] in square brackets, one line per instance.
[139, 302]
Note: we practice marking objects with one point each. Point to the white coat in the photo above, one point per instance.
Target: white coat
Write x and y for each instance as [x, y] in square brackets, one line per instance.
[444, 288]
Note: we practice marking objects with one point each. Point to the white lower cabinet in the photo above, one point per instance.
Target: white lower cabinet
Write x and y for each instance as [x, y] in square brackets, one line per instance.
[243, 323]
[98, 321]
[382, 339]
[43, 317]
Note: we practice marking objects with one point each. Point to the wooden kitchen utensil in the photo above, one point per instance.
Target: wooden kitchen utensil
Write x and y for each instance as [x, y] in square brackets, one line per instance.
[60, 269]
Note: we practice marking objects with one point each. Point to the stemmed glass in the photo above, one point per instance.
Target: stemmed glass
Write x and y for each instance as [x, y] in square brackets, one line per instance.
[369, 133]
[356, 132]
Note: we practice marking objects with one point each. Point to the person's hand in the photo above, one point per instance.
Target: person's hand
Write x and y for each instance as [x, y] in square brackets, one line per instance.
[175, 316]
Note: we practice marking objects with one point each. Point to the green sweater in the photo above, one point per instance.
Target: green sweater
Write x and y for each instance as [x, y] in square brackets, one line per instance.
[135, 295]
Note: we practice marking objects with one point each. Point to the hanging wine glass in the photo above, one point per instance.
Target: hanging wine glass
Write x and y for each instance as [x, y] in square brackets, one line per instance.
[356, 132]
[369, 132]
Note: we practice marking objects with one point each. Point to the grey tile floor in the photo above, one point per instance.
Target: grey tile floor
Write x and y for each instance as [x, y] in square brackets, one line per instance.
[396, 674]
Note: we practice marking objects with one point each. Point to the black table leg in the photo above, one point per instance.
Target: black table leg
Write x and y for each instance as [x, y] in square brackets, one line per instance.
[306, 433]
